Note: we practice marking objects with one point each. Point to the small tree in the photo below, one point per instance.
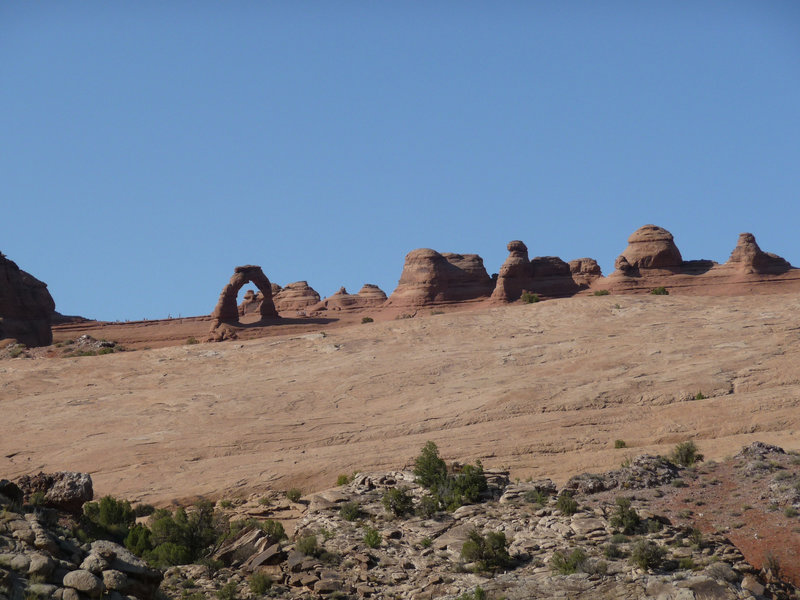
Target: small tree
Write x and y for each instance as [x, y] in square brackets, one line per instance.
[428, 467]
[686, 454]
[489, 551]
[398, 501]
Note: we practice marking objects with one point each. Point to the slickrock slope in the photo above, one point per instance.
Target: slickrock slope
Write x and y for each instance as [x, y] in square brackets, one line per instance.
[25, 306]
[542, 389]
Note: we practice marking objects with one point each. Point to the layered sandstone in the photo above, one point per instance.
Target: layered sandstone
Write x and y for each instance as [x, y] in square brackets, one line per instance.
[430, 277]
[297, 296]
[651, 247]
[26, 306]
[370, 296]
[749, 258]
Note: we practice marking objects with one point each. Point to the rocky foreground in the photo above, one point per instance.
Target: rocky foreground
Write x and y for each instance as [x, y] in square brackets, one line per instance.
[600, 536]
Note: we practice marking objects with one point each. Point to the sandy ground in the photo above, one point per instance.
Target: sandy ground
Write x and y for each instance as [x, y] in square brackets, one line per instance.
[542, 389]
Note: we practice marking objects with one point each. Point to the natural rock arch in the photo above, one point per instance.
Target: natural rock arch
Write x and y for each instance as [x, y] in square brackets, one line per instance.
[227, 310]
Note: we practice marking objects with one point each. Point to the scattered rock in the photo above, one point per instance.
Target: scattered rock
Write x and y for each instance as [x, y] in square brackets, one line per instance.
[63, 490]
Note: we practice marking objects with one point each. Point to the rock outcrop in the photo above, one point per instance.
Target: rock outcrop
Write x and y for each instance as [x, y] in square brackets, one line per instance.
[227, 311]
[430, 277]
[544, 275]
[26, 306]
[297, 296]
[749, 258]
[63, 490]
[370, 296]
[650, 247]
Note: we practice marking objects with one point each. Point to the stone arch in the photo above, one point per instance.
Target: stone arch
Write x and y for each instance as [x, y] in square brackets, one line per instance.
[227, 310]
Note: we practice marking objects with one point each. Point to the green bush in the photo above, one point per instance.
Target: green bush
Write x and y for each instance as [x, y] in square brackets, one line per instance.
[477, 594]
[372, 538]
[620, 444]
[191, 341]
[366, 320]
[686, 563]
[294, 494]
[398, 501]
[350, 511]
[700, 396]
[307, 545]
[660, 291]
[625, 518]
[343, 480]
[490, 552]
[612, 551]
[428, 506]
[450, 491]
[169, 554]
[182, 537]
[567, 504]
[686, 454]
[647, 555]
[108, 518]
[790, 511]
[536, 497]
[529, 298]
[429, 469]
[566, 564]
[144, 510]
[138, 540]
[259, 583]
[601, 292]
[227, 591]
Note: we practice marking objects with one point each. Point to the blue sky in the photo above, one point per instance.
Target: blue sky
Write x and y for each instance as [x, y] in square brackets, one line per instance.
[149, 147]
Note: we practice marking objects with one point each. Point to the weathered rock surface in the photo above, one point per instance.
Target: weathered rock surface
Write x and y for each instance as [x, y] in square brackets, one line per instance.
[297, 296]
[543, 275]
[370, 296]
[430, 277]
[226, 310]
[63, 490]
[749, 258]
[26, 306]
[652, 247]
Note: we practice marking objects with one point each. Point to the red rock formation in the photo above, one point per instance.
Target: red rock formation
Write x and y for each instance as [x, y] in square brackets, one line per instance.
[544, 275]
[432, 278]
[297, 296]
[370, 296]
[25, 306]
[749, 258]
[650, 247]
[226, 310]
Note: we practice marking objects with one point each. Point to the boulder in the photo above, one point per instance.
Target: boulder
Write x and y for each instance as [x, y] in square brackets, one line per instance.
[85, 582]
[650, 247]
[11, 492]
[25, 306]
[64, 490]
[430, 277]
[297, 296]
[749, 258]
[584, 271]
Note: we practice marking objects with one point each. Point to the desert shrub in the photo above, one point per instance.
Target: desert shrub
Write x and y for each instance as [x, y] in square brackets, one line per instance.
[448, 490]
[191, 341]
[307, 545]
[529, 298]
[536, 497]
[686, 563]
[686, 454]
[429, 468]
[398, 501]
[567, 504]
[790, 511]
[350, 511]
[477, 594]
[426, 542]
[625, 518]
[138, 540]
[273, 529]
[427, 507]
[620, 444]
[619, 538]
[490, 552]
[294, 494]
[343, 479]
[168, 554]
[108, 518]
[647, 555]
[678, 483]
[367, 320]
[259, 583]
[772, 563]
[144, 510]
[372, 537]
[696, 538]
[660, 291]
[612, 551]
[226, 504]
[227, 591]
[566, 564]
[700, 396]
[185, 536]
[601, 292]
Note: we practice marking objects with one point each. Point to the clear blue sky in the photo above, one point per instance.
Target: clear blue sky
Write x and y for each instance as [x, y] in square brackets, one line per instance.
[147, 148]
